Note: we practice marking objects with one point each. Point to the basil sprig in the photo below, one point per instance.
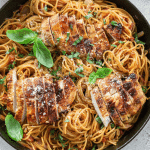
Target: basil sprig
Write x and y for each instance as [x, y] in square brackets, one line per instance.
[27, 36]
[101, 73]
[2, 80]
[13, 127]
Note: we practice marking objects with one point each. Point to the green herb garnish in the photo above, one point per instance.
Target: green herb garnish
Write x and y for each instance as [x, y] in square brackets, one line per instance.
[114, 23]
[109, 59]
[88, 59]
[52, 132]
[74, 55]
[88, 16]
[13, 127]
[104, 21]
[54, 72]
[21, 55]
[58, 39]
[67, 120]
[71, 27]
[2, 80]
[94, 148]
[78, 41]
[64, 53]
[45, 8]
[91, 44]
[113, 45]
[100, 63]
[9, 51]
[121, 42]
[31, 53]
[68, 34]
[137, 40]
[112, 125]
[144, 89]
[27, 36]
[101, 73]
[79, 70]
[98, 119]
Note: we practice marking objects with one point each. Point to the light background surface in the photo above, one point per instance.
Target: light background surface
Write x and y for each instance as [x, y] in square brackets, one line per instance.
[140, 142]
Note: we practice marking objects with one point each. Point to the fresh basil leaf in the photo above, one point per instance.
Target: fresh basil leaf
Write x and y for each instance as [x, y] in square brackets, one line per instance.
[104, 21]
[114, 23]
[68, 34]
[42, 53]
[137, 40]
[118, 127]
[78, 41]
[91, 44]
[100, 63]
[121, 42]
[6, 87]
[144, 89]
[102, 126]
[88, 16]
[13, 127]
[109, 59]
[98, 119]
[92, 78]
[22, 36]
[101, 73]
[2, 80]
[21, 55]
[113, 45]
[79, 70]
[89, 12]
[67, 120]
[88, 59]
[74, 55]
[39, 65]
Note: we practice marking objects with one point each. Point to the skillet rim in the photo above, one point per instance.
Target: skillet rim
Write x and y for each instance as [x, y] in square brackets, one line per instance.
[18, 146]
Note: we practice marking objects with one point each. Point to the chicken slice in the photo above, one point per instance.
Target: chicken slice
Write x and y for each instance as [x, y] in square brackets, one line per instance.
[94, 37]
[65, 94]
[84, 46]
[21, 103]
[133, 87]
[100, 106]
[40, 100]
[110, 86]
[31, 103]
[46, 34]
[55, 28]
[73, 32]
[50, 96]
[11, 85]
[103, 40]
[114, 31]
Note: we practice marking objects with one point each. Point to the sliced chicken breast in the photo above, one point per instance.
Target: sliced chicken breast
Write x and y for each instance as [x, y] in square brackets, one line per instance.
[50, 96]
[133, 87]
[109, 86]
[55, 28]
[103, 40]
[46, 34]
[100, 106]
[65, 94]
[11, 85]
[40, 100]
[31, 103]
[114, 31]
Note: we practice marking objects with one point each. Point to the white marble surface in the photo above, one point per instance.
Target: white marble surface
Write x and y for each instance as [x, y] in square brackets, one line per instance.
[142, 140]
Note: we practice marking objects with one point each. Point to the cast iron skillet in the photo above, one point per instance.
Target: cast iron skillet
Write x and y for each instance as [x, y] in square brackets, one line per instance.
[142, 25]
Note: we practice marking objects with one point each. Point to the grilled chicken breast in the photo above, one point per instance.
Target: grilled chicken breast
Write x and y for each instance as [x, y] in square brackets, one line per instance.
[11, 85]
[38, 98]
[56, 29]
[117, 99]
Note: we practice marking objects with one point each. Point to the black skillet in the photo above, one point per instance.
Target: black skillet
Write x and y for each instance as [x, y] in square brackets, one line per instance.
[142, 25]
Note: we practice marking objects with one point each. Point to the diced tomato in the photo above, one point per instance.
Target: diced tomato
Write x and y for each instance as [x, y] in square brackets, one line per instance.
[19, 25]
[11, 58]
